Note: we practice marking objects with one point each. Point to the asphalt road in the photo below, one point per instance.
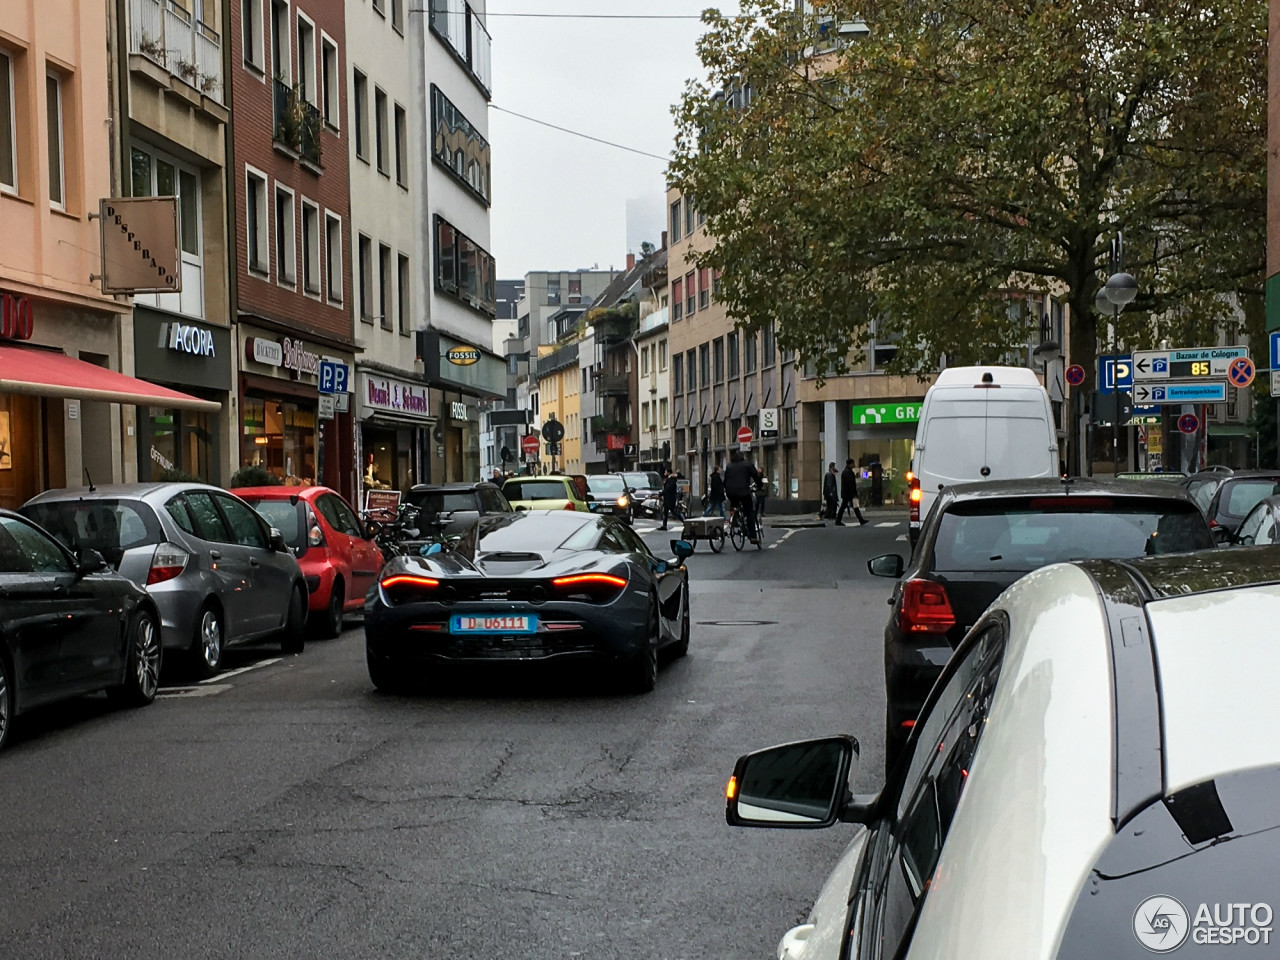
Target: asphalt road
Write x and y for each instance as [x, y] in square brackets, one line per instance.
[289, 810]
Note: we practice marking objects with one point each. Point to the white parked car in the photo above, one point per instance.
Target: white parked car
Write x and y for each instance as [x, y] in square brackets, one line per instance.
[1095, 774]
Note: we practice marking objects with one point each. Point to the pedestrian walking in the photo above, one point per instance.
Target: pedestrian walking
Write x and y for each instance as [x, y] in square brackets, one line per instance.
[715, 493]
[670, 498]
[849, 494]
[831, 491]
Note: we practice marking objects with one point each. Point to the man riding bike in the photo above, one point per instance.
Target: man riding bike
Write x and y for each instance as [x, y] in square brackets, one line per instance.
[740, 481]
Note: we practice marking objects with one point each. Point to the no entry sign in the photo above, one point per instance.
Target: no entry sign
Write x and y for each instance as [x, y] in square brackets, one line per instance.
[529, 444]
[744, 434]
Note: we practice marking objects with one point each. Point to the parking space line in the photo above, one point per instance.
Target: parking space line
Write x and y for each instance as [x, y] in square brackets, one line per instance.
[231, 673]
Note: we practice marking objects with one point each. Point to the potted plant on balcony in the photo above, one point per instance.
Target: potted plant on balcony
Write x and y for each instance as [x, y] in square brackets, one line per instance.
[153, 47]
[188, 71]
[290, 116]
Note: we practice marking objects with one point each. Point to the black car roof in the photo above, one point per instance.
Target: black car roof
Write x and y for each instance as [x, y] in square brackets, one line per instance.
[1052, 486]
[450, 487]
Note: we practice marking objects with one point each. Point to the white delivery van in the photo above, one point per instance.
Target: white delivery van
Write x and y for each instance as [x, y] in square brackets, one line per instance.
[981, 423]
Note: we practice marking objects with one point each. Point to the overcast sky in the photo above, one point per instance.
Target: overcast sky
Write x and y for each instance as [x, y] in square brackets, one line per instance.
[559, 202]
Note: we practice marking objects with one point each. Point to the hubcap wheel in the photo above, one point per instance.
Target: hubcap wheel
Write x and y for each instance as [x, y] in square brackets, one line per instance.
[147, 657]
[211, 639]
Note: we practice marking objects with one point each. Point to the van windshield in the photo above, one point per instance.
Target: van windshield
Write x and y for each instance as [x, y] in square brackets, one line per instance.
[957, 448]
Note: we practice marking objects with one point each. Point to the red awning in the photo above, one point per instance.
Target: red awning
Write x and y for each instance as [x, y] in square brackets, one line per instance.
[44, 373]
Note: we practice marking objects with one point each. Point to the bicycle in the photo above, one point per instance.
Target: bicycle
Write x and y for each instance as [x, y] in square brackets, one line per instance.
[738, 531]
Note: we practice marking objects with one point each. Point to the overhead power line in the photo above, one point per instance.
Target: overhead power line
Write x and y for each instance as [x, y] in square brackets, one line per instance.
[576, 133]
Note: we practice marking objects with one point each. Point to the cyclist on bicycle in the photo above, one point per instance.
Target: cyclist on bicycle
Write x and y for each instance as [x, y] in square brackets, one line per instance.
[740, 480]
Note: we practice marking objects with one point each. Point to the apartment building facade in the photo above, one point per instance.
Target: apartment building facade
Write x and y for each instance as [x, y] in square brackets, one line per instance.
[291, 213]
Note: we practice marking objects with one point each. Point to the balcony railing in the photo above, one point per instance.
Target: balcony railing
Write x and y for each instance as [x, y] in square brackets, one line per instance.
[297, 123]
[612, 385]
[164, 32]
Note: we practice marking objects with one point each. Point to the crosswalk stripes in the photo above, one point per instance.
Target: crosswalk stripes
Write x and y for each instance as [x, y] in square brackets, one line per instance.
[889, 523]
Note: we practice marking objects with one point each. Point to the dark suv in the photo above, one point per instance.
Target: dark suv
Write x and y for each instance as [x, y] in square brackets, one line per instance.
[980, 537]
[449, 508]
[1226, 496]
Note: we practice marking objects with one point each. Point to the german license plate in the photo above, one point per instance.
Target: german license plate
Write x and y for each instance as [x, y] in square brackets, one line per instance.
[493, 623]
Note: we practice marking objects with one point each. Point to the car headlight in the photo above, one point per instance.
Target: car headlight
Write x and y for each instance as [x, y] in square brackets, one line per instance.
[623, 501]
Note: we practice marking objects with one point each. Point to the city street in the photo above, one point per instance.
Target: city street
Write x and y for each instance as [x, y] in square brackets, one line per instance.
[286, 809]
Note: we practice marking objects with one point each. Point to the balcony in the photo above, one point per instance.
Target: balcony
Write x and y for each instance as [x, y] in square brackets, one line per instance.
[560, 359]
[187, 49]
[612, 385]
[614, 325]
[297, 123]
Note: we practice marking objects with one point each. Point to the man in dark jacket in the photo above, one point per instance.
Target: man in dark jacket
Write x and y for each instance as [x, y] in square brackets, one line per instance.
[670, 498]
[849, 494]
[831, 491]
[740, 480]
[715, 494]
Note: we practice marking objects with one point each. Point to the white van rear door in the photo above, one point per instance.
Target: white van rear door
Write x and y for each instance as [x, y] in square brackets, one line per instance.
[1008, 436]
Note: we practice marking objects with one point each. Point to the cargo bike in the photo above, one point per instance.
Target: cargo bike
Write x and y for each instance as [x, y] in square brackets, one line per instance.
[710, 529]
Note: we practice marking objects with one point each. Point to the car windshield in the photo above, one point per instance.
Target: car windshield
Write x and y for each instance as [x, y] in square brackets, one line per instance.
[1028, 532]
[109, 526]
[1241, 496]
[606, 484]
[285, 517]
[1202, 492]
[440, 501]
[523, 490]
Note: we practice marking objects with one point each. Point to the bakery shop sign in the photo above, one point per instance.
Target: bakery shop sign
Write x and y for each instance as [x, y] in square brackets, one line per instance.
[285, 352]
[16, 320]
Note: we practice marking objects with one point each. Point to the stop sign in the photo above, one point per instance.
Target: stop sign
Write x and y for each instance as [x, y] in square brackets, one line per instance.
[529, 444]
[744, 434]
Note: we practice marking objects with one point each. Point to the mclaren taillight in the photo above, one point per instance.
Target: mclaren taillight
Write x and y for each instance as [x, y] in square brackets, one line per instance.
[594, 587]
[407, 587]
[167, 562]
[926, 608]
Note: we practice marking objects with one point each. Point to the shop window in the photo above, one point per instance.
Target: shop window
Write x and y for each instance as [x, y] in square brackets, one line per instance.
[333, 255]
[279, 436]
[174, 441]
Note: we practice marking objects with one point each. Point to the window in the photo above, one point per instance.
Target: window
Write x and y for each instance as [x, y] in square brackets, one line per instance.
[690, 295]
[718, 358]
[644, 362]
[251, 25]
[464, 269]
[676, 221]
[749, 361]
[360, 114]
[662, 413]
[677, 299]
[256, 221]
[403, 296]
[691, 365]
[366, 279]
[690, 218]
[677, 374]
[715, 285]
[53, 118]
[380, 128]
[458, 146]
[247, 528]
[35, 552]
[153, 174]
[310, 247]
[704, 364]
[286, 245]
[704, 289]
[307, 85]
[380, 7]
[402, 147]
[208, 522]
[8, 127]
[333, 255]
[385, 279]
[280, 54]
[329, 82]
[733, 354]
[575, 285]
[662, 355]
[766, 346]
[397, 15]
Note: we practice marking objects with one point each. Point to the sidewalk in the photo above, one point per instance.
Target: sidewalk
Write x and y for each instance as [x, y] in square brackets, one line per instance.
[800, 521]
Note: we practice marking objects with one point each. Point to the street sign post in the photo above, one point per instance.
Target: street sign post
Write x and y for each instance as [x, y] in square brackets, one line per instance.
[1180, 391]
[768, 422]
[744, 434]
[529, 445]
[1186, 363]
[335, 377]
[1075, 374]
[1241, 372]
[1188, 423]
[1115, 373]
[553, 430]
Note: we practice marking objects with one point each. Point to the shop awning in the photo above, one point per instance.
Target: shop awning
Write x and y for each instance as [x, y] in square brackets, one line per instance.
[43, 373]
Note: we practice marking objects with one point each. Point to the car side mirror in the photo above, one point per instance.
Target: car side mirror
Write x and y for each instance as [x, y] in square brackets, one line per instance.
[683, 550]
[796, 786]
[888, 565]
[89, 561]
[277, 541]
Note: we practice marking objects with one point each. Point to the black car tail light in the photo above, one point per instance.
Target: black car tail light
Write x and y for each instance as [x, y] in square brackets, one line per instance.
[926, 608]
[593, 587]
[408, 587]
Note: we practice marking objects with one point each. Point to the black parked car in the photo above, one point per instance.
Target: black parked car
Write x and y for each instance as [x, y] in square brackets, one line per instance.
[447, 509]
[1226, 496]
[1261, 527]
[557, 585]
[69, 625]
[980, 537]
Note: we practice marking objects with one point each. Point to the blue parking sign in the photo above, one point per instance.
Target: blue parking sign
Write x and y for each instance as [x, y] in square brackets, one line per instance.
[333, 377]
[1115, 372]
[1275, 350]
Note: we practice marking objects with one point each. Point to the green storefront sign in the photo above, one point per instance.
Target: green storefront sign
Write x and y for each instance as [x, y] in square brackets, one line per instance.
[885, 412]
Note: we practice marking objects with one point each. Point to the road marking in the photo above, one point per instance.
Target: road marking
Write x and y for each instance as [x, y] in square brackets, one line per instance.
[231, 673]
[783, 539]
[890, 523]
[178, 693]
[901, 536]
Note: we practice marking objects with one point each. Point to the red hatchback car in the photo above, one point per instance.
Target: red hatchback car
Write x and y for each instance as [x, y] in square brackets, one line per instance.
[339, 562]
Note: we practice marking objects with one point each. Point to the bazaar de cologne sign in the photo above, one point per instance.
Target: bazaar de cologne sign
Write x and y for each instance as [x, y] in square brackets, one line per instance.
[140, 252]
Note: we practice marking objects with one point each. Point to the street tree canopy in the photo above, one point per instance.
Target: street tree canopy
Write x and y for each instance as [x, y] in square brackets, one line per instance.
[917, 173]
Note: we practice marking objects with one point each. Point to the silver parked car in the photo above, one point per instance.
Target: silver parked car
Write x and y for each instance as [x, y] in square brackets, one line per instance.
[218, 574]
